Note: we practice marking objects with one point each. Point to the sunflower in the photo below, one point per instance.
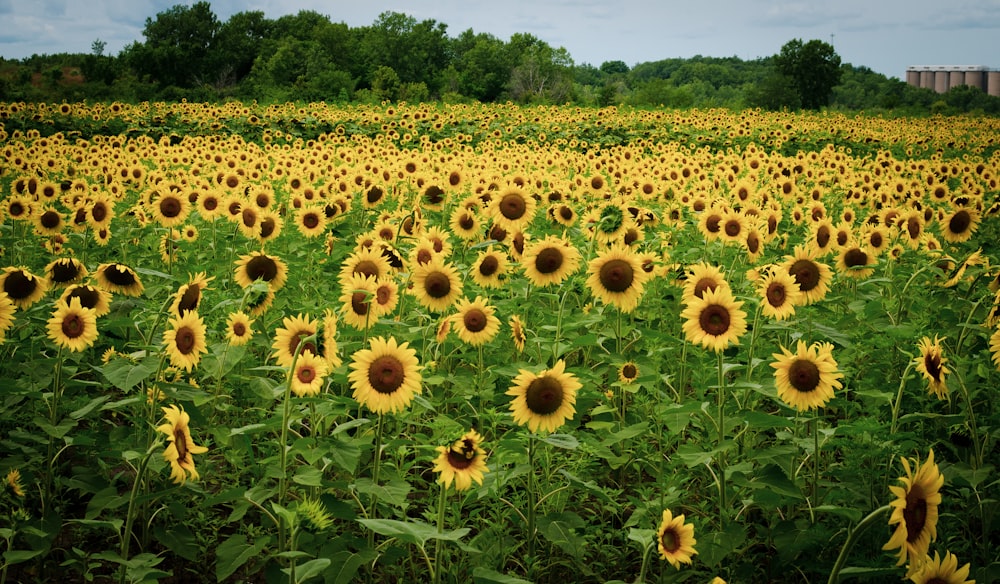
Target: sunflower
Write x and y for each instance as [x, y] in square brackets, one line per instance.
[72, 326]
[675, 539]
[188, 297]
[119, 279]
[386, 376]
[92, 297]
[628, 372]
[489, 268]
[823, 238]
[436, 284]
[915, 510]
[170, 209]
[710, 223]
[779, 294]
[310, 221]
[714, 320]
[309, 374]
[22, 287]
[550, 261]
[616, 277]
[995, 348]
[813, 277]
[64, 272]
[296, 330]
[13, 480]
[239, 328]
[422, 252]
[365, 262]
[700, 278]
[210, 205]
[260, 266]
[329, 346]
[475, 322]
[386, 296]
[940, 571]
[19, 207]
[733, 227]
[358, 309]
[185, 340]
[518, 336]
[563, 214]
[48, 222]
[856, 261]
[512, 209]
[466, 224]
[806, 379]
[930, 363]
[959, 225]
[462, 463]
[7, 311]
[544, 401]
[180, 448]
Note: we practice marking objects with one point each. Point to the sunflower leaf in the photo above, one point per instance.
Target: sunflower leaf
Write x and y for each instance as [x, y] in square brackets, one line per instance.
[415, 532]
[482, 575]
[234, 552]
[565, 441]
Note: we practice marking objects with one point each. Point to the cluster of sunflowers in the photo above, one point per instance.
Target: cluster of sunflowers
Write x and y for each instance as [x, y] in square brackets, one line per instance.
[383, 233]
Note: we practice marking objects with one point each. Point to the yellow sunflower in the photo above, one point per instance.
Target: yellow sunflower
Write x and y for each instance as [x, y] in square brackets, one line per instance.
[813, 277]
[386, 376]
[296, 330]
[915, 510]
[466, 224]
[330, 350]
[995, 347]
[72, 326]
[518, 336]
[550, 261]
[544, 401]
[512, 209]
[714, 320]
[359, 309]
[13, 480]
[616, 277]
[7, 311]
[310, 221]
[436, 284]
[48, 222]
[701, 277]
[855, 261]
[779, 294]
[675, 539]
[475, 321]
[959, 225]
[170, 209]
[805, 380]
[309, 374]
[940, 571]
[461, 463]
[64, 272]
[239, 328]
[489, 268]
[119, 279]
[930, 363]
[185, 340]
[22, 287]
[628, 372]
[180, 448]
[260, 266]
[366, 262]
[188, 296]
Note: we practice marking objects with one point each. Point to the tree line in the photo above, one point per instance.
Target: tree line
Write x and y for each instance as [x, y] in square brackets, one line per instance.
[188, 53]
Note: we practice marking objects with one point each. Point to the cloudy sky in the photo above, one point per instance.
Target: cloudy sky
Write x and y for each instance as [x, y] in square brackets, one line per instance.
[884, 35]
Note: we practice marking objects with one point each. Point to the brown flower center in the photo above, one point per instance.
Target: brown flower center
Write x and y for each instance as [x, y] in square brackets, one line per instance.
[855, 258]
[913, 227]
[915, 513]
[360, 303]
[170, 207]
[424, 255]
[374, 195]
[512, 206]
[714, 320]
[466, 221]
[669, 540]
[489, 266]
[959, 222]
[703, 285]
[189, 299]
[64, 271]
[474, 320]
[776, 294]
[629, 371]
[544, 395]
[437, 285]
[185, 340]
[367, 268]
[239, 329]
[549, 260]
[50, 220]
[434, 195]
[932, 363]
[89, 296]
[823, 236]
[712, 223]
[262, 267]
[386, 374]
[732, 228]
[803, 374]
[310, 220]
[806, 274]
[616, 275]
[180, 443]
[120, 275]
[306, 374]
[73, 326]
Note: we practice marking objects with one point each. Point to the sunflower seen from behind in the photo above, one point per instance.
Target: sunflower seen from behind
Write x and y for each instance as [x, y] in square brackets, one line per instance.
[181, 448]
[915, 510]
[386, 376]
[544, 401]
[461, 463]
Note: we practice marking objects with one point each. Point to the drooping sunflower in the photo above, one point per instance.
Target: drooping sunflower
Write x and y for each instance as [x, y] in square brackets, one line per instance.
[185, 340]
[386, 376]
[700, 278]
[519, 338]
[940, 571]
[813, 277]
[13, 480]
[512, 209]
[22, 287]
[675, 539]
[119, 279]
[856, 261]
[475, 321]
[959, 225]
[329, 346]
[7, 311]
[550, 261]
[309, 375]
[462, 463]
[805, 379]
[931, 363]
[287, 338]
[436, 284]
[188, 296]
[180, 448]
[715, 320]
[489, 268]
[544, 401]
[616, 277]
[92, 297]
[915, 510]
[239, 328]
[65, 272]
[779, 294]
[72, 326]
[995, 348]
[260, 266]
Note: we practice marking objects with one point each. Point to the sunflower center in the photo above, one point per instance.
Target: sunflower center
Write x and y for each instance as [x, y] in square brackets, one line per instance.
[959, 222]
[367, 268]
[669, 540]
[184, 339]
[714, 320]
[617, 275]
[73, 326]
[170, 207]
[549, 260]
[424, 255]
[437, 285]
[544, 395]
[855, 257]
[753, 243]
[50, 220]
[732, 228]
[306, 374]
[64, 271]
[566, 213]
[489, 266]
[374, 195]
[466, 222]
[461, 457]
[180, 443]
[189, 300]
[262, 268]
[823, 236]
[210, 203]
[712, 224]
[876, 239]
[703, 285]
[915, 513]
[239, 329]
[17, 209]
[803, 374]
[776, 295]
[913, 227]
[512, 206]
[383, 294]
[310, 220]
[434, 195]
[474, 320]
[359, 303]
[806, 274]
[385, 374]
[629, 371]
[88, 296]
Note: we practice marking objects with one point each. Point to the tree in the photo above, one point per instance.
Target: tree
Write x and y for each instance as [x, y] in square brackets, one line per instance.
[813, 68]
[178, 46]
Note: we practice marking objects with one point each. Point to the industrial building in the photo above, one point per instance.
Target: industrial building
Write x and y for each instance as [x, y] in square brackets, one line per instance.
[941, 78]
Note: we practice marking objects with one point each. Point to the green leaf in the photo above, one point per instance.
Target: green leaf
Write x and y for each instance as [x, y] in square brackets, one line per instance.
[714, 547]
[18, 556]
[394, 492]
[125, 375]
[559, 530]
[565, 441]
[692, 454]
[774, 479]
[482, 575]
[764, 421]
[415, 532]
[234, 552]
[346, 566]
[853, 515]
[309, 569]
[91, 406]
[308, 476]
[55, 431]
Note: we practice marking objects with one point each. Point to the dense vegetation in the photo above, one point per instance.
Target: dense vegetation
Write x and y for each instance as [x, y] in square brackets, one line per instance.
[187, 53]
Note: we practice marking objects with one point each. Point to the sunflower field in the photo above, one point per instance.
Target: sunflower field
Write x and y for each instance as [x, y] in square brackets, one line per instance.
[496, 344]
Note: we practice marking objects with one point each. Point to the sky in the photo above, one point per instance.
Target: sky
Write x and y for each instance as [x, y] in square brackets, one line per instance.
[886, 36]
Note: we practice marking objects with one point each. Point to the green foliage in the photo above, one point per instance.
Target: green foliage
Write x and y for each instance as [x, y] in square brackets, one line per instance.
[812, 68]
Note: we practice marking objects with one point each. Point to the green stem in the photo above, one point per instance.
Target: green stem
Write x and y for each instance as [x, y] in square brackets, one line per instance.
[131, 513]
[852, 538]
[815, 485]
[532, 497]
[436, 570]
[286, 414]
[899, 397]
[646, 554]
[376, 468]
[721, 438]
[972, 420]
[57, 390]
